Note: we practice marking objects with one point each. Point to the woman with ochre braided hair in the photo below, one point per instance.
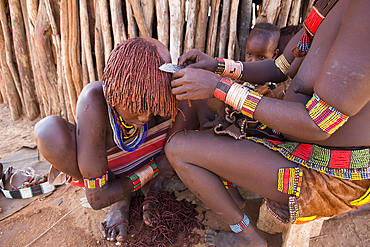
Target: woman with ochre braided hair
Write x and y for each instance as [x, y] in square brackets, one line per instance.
[319, 164]
[116, 146]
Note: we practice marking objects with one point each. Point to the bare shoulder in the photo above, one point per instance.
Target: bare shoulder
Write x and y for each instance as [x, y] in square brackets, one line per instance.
[343, 81]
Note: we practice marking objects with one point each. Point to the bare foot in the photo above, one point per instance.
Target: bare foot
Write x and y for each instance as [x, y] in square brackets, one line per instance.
[248, 237]
[234, 192]
[151, 191]
[114, 228]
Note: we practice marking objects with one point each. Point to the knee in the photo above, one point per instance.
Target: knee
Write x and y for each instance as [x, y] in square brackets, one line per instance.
[173, 149]
[49, 132]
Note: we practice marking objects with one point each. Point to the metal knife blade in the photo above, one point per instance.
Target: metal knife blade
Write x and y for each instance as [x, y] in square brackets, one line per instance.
[170, 67]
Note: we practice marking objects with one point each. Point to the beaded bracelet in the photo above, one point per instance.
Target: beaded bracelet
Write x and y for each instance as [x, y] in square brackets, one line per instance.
[144, 175]
[222, 88]
[282, 63]
[250, 103]
[93, 183]
[229, 68]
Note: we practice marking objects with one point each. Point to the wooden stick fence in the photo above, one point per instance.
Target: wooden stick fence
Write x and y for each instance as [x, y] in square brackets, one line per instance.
[51, 49]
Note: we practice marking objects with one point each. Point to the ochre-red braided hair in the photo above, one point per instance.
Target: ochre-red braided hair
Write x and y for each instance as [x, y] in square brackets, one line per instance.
[133, 80]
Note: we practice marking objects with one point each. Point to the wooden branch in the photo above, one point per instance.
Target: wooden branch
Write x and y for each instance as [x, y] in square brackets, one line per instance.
[224, 27]
[131, 24]
[175, 29]
[294, 12]
[200, 40]
[29, 11]
[67, 75]
[70, 111]
[139, 17]
[46, 59]
[213, 27]
[98, 37]
[85, 73]
[8, 50]
[74, 45]
[106, 28]
[284, 13]
[56, 42]
[269, 11]
[85, 41]
[163, 21]
[232, 29]
[14, 101]
[119, 30]
[245, 19]
[23, 60]
[192, 13]
[148, 12]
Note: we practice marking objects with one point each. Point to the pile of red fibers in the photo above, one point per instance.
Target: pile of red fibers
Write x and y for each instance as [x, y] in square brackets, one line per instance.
[173, 222]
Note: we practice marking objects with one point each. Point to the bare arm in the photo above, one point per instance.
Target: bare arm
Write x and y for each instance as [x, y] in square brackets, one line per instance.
[92, 126]
[342, 83]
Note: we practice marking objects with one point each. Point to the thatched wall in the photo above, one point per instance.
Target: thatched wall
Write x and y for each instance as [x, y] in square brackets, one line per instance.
[50, 49]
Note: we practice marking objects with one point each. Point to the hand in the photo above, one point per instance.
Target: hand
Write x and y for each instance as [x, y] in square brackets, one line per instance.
[198, 60]
[194, 84]
[164, 167]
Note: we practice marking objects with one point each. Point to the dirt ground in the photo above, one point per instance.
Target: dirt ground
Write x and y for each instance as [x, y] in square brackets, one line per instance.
[60, 220]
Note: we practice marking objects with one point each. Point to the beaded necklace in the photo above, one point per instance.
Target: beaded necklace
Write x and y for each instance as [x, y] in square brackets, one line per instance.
[318, 13]
[123, 132]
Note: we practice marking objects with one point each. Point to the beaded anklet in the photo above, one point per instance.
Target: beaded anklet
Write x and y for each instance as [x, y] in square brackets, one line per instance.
[229, 68]
[143, 175]
[241, 225]
[93, 183]
[282, 63]
[326, 117]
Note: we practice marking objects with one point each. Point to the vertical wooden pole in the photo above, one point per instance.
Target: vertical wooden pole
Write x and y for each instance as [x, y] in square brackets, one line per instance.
[148, 12]
[176, 23]
[224, 27]
[131, 24]
[8, 50]
[64, 28]
[232, 29]
[46, 60]
[245, 19]
[98, 37]
[74, 45]
[284, 13]
[163, 21]
[139, 17]
[85, 41]
[106, 28]
[213, 27]
[189, 42]
[119, 30]
[200, 40]
[294, 12]
[11, 90]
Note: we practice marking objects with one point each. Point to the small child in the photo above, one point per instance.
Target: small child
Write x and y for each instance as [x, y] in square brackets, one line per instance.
[262, 43]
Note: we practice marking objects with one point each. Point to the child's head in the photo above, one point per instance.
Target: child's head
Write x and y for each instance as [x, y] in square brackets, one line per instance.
[262, 42]
[286, 33]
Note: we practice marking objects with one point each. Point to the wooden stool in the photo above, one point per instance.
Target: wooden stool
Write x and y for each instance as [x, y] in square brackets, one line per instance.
[293, 235]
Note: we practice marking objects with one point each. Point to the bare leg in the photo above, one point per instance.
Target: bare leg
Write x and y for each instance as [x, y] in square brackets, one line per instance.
[56, 140]
[247, 164]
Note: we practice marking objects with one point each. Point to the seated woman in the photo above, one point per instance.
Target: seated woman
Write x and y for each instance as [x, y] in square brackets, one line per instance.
[319, 165]
[116, 146]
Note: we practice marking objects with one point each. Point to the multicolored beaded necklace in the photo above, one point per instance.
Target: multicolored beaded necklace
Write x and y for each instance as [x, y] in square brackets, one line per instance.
[123, 132]
[318, 13]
